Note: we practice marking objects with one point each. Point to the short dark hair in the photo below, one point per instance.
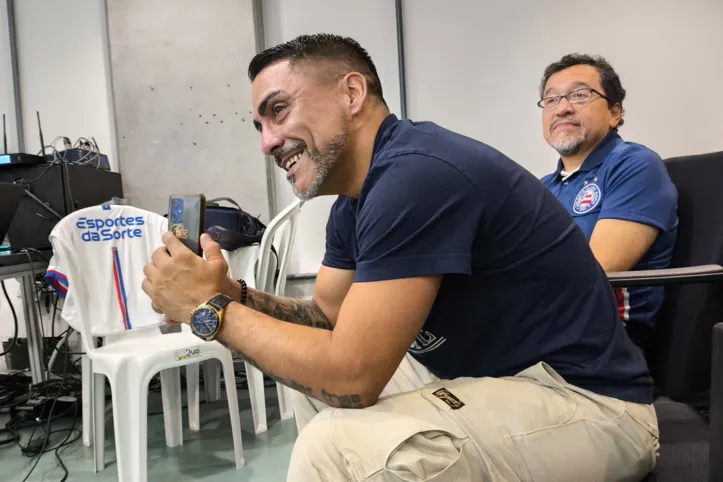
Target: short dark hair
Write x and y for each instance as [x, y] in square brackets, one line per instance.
[322, 46]
[608, 78]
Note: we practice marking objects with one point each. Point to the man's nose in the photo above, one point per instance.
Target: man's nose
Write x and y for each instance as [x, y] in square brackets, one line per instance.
[270, 142]
[564, 107]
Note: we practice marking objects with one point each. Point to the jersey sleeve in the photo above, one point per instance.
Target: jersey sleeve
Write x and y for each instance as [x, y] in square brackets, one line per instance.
[339, 237]
[639, 189]
[419, 219]
[57, 277]
[56, 274]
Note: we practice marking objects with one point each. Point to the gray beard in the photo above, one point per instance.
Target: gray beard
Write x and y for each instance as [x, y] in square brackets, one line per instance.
[569, 146]
[324, 160]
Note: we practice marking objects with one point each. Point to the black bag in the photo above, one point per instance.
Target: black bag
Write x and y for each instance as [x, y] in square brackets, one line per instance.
[232, 227]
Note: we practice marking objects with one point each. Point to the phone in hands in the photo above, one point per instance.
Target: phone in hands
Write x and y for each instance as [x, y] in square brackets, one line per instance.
[187, 219]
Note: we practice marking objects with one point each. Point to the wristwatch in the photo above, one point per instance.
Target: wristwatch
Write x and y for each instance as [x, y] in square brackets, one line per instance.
[207, 318]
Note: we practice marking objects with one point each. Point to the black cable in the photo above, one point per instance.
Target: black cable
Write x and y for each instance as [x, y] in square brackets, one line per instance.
[40, 309]
[20, 180]
[75, 366]
[67, 440]
[70, 194]
[43, 255]
[65, 349]
[13, 425]
[47, 432]
[14, 340]
[52, 322]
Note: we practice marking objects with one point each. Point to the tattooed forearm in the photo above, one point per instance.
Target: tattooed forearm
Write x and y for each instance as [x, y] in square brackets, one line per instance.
[345, 401]
[337, 401]
[296, 386]
[301, 312]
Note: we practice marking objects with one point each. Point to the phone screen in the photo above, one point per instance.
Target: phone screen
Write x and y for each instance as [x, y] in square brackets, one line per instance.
[186, 219]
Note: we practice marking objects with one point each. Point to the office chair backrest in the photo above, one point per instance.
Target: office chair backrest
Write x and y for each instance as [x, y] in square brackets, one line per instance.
[98, 258]
[680, 356]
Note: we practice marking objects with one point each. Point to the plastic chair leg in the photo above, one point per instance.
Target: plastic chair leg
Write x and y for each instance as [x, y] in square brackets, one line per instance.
[98, 421]
[130, 423]
[212, 380]
[192, 392]
[255, 379]
[87, 400]
[232, 396]
[172, 407]
[285, 406]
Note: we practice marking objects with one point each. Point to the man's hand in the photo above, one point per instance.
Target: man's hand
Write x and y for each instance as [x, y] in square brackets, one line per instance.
[618, 245]
[177, 280]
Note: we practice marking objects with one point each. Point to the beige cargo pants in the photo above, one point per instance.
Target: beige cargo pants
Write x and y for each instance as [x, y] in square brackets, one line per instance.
[529, 427]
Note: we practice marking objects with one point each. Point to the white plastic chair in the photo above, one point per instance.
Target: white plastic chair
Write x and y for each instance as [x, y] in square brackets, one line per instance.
[280, 232]
[130, 358]
[242, 263]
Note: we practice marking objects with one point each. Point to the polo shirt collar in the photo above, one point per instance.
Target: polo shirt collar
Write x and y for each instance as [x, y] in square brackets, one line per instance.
[383, 135]
[384, 132]
[597, 156]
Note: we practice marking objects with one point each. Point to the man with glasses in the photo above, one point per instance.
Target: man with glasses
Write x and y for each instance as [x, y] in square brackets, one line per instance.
[619, 192]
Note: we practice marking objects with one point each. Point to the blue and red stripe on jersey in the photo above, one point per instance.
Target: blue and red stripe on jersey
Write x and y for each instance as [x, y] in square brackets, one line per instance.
[58, 281]
[120, 289]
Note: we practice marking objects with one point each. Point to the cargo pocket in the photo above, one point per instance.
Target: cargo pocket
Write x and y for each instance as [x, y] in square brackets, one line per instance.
[499, 414]
[489, 452]
[400, 438]
[433, 456]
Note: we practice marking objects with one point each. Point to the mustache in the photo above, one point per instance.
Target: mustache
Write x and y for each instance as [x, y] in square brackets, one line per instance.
[570, 120]
[283, 152]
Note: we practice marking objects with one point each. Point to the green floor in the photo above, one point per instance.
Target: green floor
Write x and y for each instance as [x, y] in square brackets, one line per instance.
[205, 455]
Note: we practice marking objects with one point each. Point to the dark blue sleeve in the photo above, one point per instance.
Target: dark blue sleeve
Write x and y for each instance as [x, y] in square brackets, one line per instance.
[419, 219]
[339, 238]
[640, 190]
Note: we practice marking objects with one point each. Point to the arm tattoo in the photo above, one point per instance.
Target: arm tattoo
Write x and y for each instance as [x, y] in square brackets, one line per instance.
[300, 312]
[345, 401]
[339, 401]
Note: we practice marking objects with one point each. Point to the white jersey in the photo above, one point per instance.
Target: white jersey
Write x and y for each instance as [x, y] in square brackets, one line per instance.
[106, 247]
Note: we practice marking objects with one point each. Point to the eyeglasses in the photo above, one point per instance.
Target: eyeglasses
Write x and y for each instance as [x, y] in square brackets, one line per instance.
[575, 97]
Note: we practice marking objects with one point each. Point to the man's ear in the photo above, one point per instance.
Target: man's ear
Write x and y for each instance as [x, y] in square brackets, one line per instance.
[356, 90]
[616, 115]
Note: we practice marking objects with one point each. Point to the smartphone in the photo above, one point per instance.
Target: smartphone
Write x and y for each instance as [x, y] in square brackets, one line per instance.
[187, 219]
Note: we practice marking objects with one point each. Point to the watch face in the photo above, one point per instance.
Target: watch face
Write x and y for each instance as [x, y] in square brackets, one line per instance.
[204, 321]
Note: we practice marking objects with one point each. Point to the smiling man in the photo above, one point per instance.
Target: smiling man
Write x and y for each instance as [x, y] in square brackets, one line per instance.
[448, 338]
[619, 192]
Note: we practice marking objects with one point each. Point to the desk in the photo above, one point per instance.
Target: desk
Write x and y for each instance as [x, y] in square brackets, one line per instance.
[19, 265]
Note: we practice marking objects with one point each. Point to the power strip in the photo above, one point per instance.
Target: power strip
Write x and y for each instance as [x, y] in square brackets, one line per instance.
[39, 407]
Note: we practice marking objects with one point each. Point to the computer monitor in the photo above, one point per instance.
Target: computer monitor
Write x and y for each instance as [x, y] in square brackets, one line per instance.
[10, 197]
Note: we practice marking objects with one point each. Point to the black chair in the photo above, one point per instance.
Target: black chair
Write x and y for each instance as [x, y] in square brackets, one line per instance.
[686, 350]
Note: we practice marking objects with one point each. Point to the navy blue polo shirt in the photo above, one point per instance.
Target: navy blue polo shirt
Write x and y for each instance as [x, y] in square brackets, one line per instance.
[438, 203]
[628, 181]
